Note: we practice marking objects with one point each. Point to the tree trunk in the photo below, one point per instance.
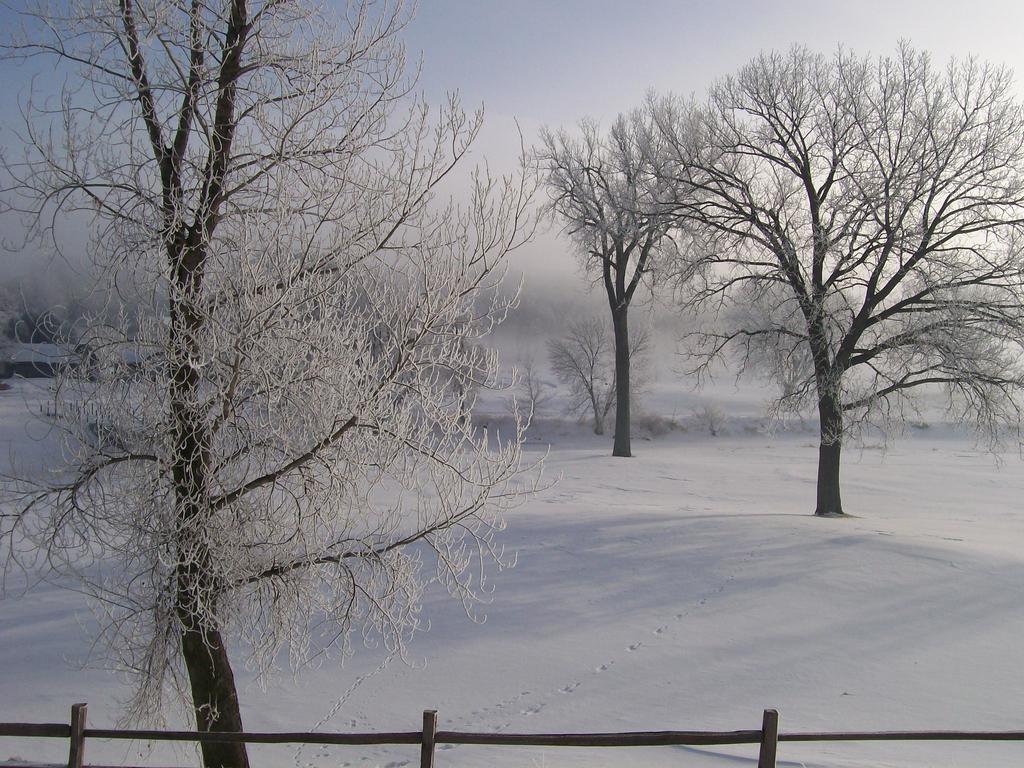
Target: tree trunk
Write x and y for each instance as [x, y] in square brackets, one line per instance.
[622, 427]
[214, 698]
[211, 679]
[831, 443]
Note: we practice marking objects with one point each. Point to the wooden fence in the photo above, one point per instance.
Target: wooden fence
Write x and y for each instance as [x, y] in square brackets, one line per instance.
[767, 737]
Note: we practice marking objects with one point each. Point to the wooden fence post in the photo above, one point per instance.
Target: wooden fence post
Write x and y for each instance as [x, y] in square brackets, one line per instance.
[769, 739]
[77, 749]
[429, 735]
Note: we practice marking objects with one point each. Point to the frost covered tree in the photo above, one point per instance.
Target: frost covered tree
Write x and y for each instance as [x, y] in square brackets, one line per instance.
[870, 211]
[532, 393]
[583, 359]
[615, 203]
[277, 451]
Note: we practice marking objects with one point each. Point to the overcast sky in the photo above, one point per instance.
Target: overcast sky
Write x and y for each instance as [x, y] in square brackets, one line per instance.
[551, 62]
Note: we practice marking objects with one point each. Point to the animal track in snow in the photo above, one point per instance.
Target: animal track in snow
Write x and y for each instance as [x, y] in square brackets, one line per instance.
[547, 696]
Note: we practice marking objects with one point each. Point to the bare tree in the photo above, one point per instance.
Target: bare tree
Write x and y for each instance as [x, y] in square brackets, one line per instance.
[583, 360]
[709, 417]
[876, 206]
[615, 203]
[280, 442]
[533, 393]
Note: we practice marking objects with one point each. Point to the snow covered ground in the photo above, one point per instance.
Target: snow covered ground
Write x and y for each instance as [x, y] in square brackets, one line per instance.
[688, 587]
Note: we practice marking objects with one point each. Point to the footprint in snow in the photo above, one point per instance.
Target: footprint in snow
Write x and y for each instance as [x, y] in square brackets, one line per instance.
[604, 667]
[659, 631]
[635, 646]
[570, 688]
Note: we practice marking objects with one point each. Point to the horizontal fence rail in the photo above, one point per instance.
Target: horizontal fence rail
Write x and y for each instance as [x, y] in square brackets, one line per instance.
[906, 736]
[767, 737]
